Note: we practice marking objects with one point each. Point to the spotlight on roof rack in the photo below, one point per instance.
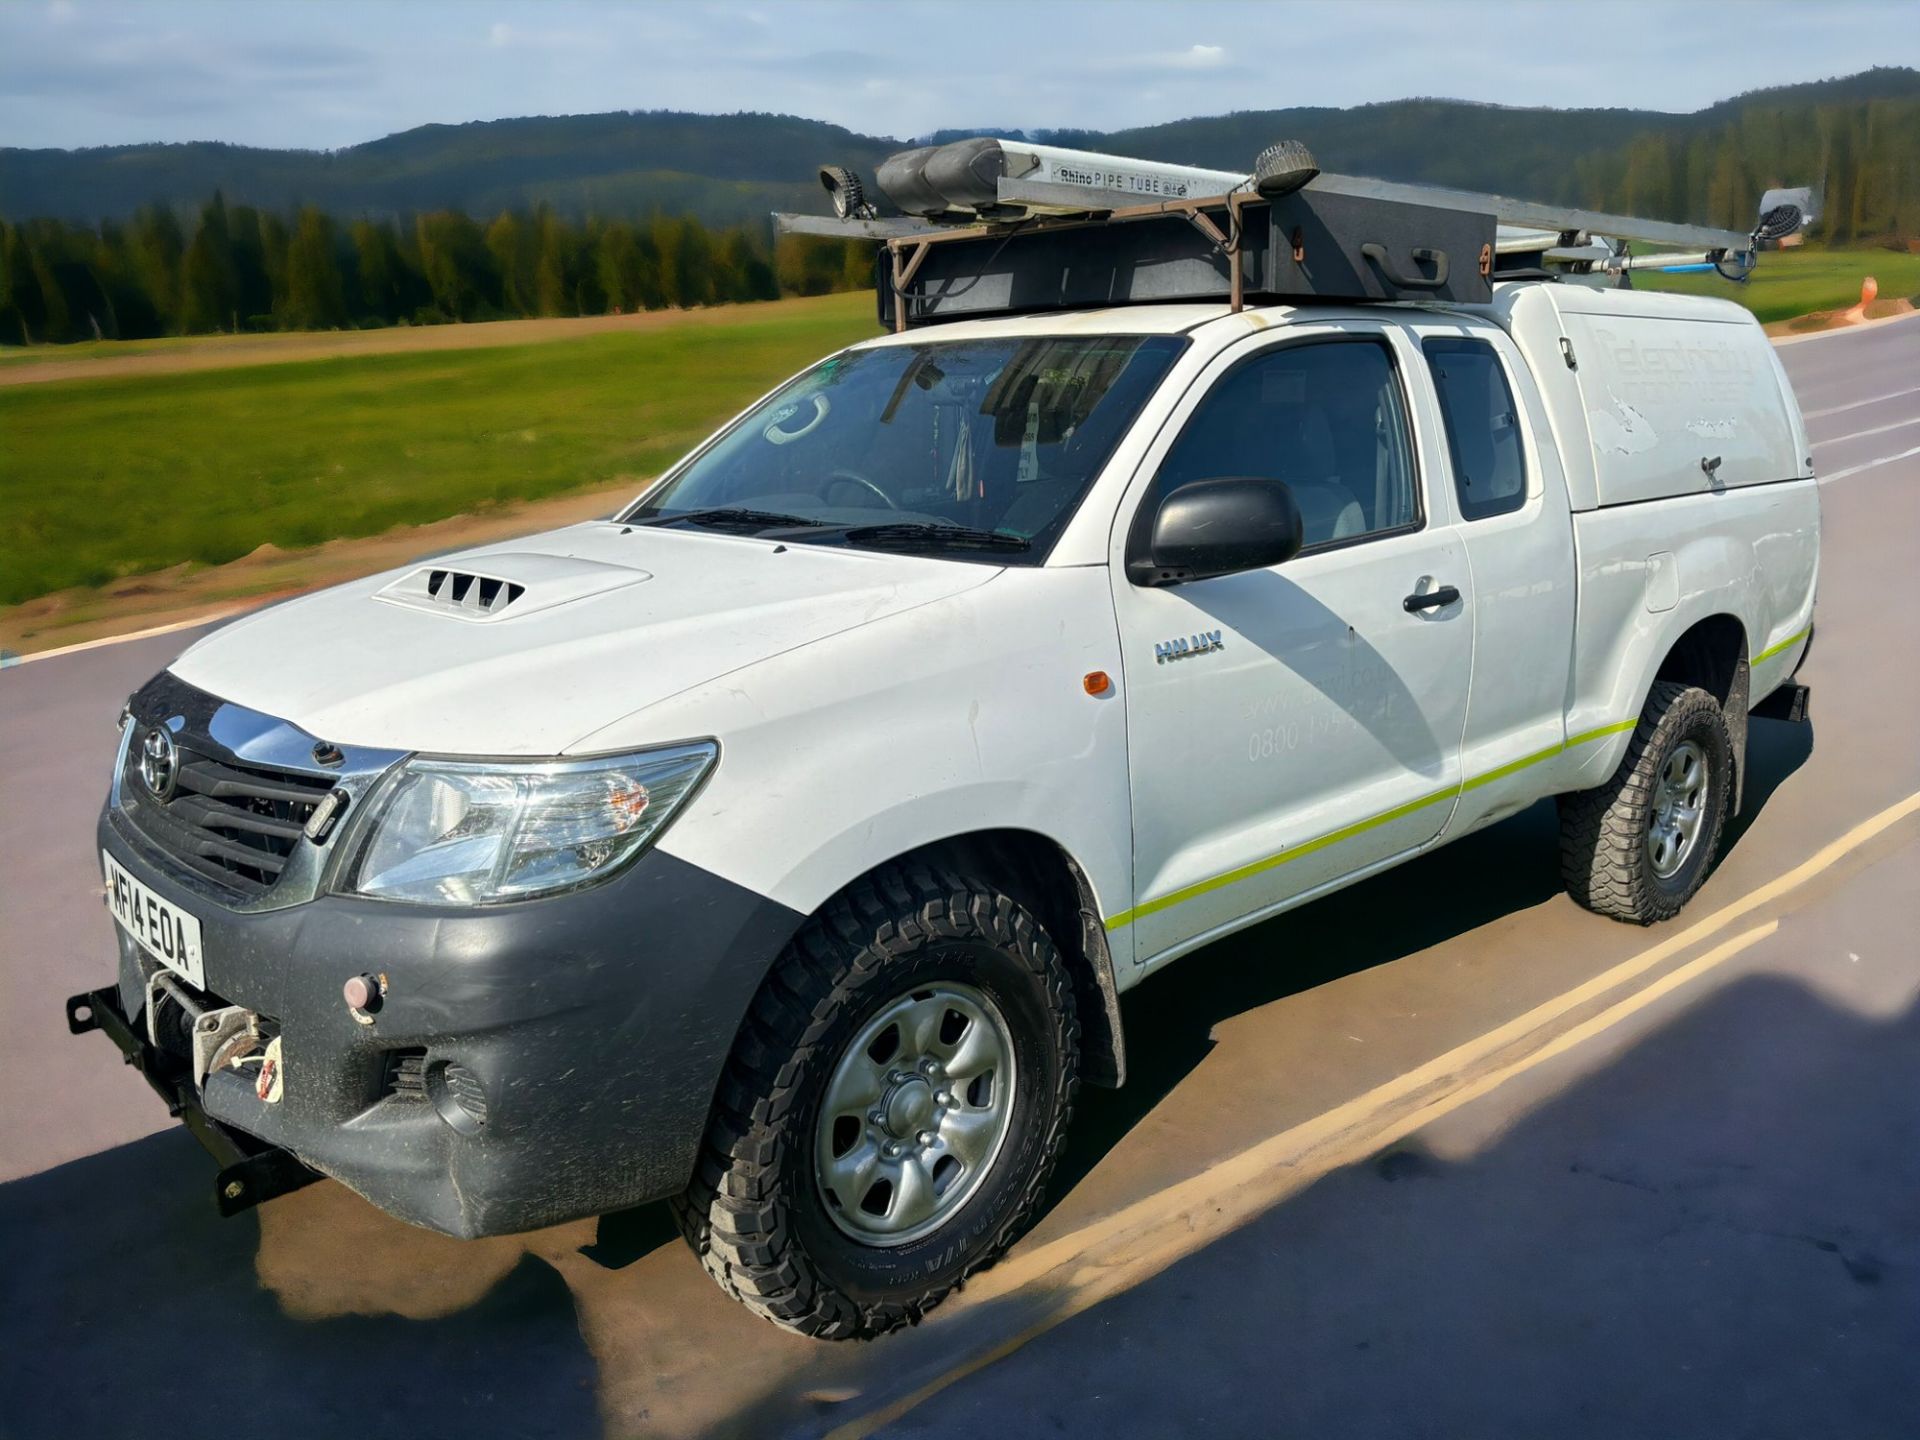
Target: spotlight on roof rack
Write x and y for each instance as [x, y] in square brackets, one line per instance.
[1283, 168]
[848, 195]
[1785, 213]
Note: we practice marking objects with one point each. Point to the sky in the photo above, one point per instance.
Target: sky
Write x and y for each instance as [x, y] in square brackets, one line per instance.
[322, 74]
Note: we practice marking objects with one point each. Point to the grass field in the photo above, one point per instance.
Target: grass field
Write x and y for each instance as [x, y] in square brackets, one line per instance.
[1795, 282]
[102, 478]
[118, 473]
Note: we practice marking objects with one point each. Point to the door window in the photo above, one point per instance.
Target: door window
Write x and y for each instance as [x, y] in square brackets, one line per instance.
[1326, 418]
[1483, 426]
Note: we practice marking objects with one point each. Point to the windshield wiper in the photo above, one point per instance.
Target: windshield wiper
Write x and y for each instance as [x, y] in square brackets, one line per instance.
[734, 517]
[910, 533]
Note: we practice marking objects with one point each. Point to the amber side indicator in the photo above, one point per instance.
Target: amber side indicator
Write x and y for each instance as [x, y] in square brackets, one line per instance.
[1097, 682]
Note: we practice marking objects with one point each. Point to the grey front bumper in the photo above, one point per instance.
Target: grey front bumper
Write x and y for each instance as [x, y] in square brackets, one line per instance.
[595, 1025]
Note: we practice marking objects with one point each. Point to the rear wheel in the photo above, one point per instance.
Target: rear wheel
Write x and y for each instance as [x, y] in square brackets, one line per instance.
[1638, 847]
[893, 1107]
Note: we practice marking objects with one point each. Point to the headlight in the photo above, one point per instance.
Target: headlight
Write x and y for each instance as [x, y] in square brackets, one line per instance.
[455, 832]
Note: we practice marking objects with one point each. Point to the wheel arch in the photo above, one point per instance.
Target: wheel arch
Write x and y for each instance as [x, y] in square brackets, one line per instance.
[1712, 654]
[1039, 873]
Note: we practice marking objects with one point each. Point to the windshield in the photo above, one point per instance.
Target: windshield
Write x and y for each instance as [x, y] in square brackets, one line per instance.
[976, 448]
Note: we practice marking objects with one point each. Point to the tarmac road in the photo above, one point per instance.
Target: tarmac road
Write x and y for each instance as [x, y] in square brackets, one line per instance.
[1438, 1155]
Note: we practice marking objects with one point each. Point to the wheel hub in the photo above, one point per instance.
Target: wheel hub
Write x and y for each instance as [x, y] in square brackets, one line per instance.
[1679, 807]
[908, 1108]
[914, 1114]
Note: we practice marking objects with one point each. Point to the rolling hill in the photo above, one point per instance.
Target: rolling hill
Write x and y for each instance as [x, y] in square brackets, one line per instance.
[1860, 134]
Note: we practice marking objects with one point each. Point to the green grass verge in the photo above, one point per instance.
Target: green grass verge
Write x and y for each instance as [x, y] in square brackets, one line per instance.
[112, 477]
[106, 478]
[1795, 282]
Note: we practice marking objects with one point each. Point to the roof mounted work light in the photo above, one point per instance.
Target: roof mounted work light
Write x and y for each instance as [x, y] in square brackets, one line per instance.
[1283, 168]
[1784, 213]
[848, 195]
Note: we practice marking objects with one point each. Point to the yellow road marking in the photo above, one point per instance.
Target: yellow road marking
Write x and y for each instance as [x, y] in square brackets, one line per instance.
[1139, 1241]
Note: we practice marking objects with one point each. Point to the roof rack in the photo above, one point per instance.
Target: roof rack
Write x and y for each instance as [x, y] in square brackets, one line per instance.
[1000, 227]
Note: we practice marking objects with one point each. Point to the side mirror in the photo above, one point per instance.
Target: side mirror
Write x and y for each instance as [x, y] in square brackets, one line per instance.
[1217, 527]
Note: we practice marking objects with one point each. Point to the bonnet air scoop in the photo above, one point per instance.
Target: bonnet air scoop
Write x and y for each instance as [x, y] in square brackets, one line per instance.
[487, 588]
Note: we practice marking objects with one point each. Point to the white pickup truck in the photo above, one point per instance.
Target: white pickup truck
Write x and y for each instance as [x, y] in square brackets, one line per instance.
[784, 843]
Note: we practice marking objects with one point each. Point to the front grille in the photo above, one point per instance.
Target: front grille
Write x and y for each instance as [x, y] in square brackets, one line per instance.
[232, 823]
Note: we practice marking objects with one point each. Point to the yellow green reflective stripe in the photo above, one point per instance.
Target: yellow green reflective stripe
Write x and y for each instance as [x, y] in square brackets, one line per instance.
[1786, 644]
[1399, 812]
[1584, 736]
[1515, 765]
[1260, 867]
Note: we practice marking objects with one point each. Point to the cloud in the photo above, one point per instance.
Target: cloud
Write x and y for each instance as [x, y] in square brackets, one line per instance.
[502, 36]
[1199, 57]
[335, 72]
[1196, 59]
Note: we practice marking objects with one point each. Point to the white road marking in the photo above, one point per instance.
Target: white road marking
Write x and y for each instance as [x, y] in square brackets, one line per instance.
[1869, 465]
[206, 619]
[1855, 405]
[1862, 434]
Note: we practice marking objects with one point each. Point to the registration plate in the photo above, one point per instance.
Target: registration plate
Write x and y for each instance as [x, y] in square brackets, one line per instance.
[163, 930]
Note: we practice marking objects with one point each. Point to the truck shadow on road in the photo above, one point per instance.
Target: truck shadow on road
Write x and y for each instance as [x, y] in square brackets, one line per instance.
[1709, 1235]
[124, 1298]
[1504, 869]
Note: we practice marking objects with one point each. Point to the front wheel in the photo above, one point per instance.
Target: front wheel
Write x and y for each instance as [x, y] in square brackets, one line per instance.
[1637, 848]
[892, 1110]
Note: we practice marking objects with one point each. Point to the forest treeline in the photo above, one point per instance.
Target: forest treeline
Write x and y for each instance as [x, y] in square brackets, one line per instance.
[1858, 134]
[238, 268]
[178, 266]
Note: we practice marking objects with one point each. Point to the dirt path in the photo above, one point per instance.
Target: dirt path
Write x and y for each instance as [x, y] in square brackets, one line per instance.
[50, 363]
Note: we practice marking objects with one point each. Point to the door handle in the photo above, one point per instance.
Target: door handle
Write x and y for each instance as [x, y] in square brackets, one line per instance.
[1430, 599]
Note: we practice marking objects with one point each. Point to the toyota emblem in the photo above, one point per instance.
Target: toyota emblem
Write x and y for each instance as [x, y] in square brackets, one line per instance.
[159, 763]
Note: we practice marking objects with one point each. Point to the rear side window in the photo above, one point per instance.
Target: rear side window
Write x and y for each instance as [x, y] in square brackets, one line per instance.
[1325, 417]
[1483, 427]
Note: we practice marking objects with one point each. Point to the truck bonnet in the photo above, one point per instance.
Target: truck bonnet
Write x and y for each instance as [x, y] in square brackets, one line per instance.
[524, 648]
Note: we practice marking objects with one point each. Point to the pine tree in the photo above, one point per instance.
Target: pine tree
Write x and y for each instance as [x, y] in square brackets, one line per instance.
[253, 290]
[316, 295]
[23, 309]
[512, 243]
[380, 272]
[210, 284]
[616, 259]
[273, 261]
[155, 243]
[458, 267]
[554, 271]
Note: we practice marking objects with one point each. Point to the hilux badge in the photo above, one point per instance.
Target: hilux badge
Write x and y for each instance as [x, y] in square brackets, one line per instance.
[1203, 643]
[159, 762]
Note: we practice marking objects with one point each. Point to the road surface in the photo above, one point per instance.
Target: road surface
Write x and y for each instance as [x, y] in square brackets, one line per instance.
[1438, 1155]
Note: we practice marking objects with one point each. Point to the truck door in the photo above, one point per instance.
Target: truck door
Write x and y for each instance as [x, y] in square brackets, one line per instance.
[1514, 521]
[1291, 727]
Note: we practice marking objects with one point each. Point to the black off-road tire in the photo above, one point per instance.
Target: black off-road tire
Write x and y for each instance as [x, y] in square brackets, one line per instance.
[753, 1212]
[1603, 832]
